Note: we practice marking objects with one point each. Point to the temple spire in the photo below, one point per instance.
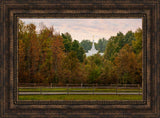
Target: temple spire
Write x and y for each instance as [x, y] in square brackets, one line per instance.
[93, 50]
[93, 47]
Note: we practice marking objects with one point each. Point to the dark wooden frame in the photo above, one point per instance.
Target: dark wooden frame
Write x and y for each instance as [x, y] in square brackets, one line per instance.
[148, 10]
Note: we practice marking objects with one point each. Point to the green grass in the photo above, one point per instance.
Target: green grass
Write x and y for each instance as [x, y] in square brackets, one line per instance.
[76, 89]
[80, 97]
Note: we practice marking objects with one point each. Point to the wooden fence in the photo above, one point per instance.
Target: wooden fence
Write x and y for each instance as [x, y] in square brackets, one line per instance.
[81, 89]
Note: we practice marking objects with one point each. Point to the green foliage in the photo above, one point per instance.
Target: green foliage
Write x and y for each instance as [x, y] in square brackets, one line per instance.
[80, 54]
[137, 44]
[93, 67]
[111, 49]
[79, 50]
[93, 73]
[109, 75]
[129, 37]
[115, 44]
[75, 46]
[67, 40]
[101, 45]
[86, 45]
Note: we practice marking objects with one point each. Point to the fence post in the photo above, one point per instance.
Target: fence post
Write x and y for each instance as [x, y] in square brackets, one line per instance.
[93, 89]
[116, 90]
[40, 90]
[139, 89]
[67, 90]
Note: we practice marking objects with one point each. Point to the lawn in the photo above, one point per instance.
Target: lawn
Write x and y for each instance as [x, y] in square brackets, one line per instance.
[77, 90]
[80, 97]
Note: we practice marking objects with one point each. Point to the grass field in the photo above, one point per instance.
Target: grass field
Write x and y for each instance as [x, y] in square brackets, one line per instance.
[77, 89]
[80, 97]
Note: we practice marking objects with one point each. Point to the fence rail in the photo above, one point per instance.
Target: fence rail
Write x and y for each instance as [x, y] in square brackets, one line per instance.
[74, 85]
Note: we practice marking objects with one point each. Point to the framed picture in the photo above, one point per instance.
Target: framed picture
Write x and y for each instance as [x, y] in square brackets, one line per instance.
[79, 58]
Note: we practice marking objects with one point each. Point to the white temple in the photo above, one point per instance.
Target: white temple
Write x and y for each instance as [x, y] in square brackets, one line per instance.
[92, 51]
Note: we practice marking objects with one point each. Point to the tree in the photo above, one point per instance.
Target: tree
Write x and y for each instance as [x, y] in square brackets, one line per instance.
[80, 54]
[115, 44]
[75, 46]
[72, 66]
[93, 68]
[22, 76]
[67, 40]
[110, 51]
[108, 75]
[57, 55]
[45, 66]
[86, 45]
[35, 51]
[126, 65]
[21, 65]
[101, 45]
[27, 35]
[79, 50]
[137, 44]
[129, 37]
[138, 72]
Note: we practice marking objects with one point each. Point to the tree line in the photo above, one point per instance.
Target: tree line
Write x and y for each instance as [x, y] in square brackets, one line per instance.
[50, 57]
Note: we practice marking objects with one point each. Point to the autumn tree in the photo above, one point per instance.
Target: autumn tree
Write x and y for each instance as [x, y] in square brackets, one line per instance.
[72, 66]
[57, 55]
[126, 65]
[26, 37]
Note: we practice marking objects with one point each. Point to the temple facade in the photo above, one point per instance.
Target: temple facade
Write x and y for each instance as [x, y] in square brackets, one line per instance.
[92, 51]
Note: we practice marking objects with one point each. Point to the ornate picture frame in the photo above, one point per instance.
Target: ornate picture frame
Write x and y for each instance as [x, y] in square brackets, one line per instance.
[11, 10]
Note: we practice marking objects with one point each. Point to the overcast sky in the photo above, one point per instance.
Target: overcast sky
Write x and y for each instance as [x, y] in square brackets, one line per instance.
[81, 29]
